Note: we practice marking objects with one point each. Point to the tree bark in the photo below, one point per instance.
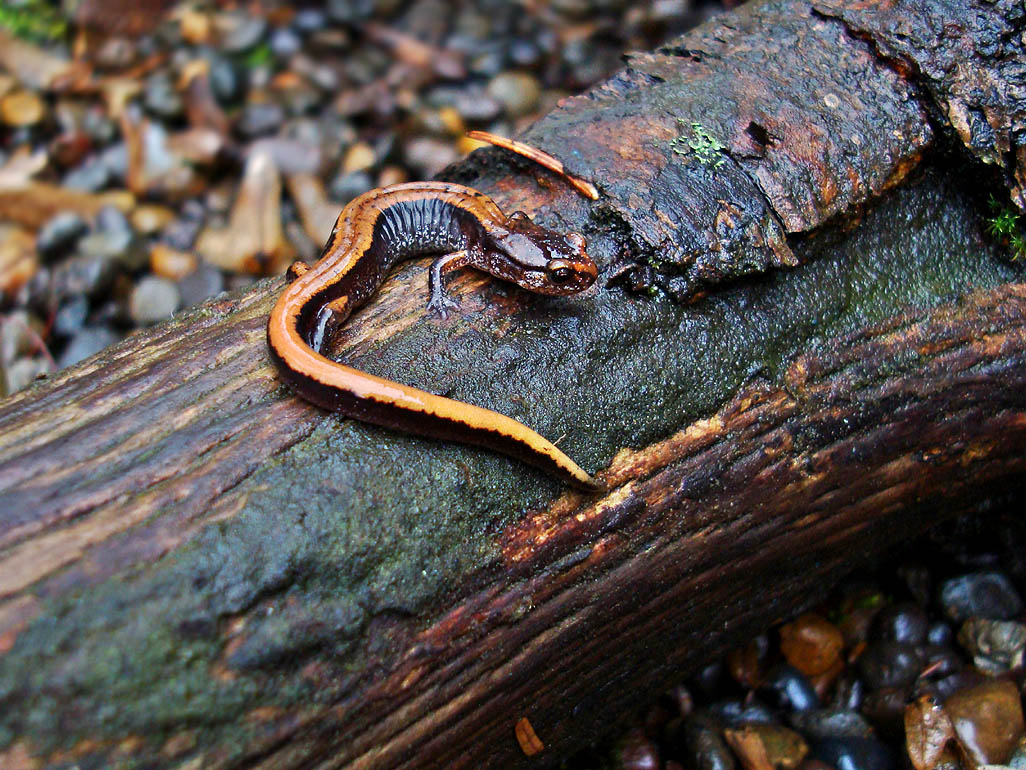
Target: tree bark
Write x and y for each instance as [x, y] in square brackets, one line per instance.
[197, 568]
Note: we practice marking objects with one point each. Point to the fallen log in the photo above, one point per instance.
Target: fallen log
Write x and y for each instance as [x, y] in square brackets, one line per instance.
[197, 568]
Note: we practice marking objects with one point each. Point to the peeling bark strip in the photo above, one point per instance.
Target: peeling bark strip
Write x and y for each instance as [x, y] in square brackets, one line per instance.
[968, 57]
[771, 121]
[197, 569]
[778, 117]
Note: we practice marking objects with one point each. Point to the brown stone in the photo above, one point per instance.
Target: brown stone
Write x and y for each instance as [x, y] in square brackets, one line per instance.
[21, 108]
[811, 644]
[988, 720]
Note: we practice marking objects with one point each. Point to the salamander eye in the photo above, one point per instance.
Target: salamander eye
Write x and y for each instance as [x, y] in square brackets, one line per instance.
[518, 216]
[559, 271]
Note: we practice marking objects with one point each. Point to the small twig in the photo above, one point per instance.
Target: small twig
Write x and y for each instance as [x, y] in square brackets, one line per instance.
[583, 186]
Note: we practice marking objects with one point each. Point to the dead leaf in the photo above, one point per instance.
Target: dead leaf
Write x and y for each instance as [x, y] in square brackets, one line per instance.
[254, 241]
[928, 729]
[317, 213]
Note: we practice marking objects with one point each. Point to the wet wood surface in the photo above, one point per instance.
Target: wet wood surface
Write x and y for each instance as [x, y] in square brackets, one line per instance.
[198, 568]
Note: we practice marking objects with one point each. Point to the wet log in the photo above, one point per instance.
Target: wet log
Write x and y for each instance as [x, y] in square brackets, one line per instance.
[199, 570]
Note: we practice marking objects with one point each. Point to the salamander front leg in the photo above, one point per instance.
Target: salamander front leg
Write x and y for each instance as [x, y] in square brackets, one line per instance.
[440, 302]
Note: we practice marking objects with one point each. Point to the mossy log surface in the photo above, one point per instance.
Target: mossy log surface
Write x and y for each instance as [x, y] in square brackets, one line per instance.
[197, 569]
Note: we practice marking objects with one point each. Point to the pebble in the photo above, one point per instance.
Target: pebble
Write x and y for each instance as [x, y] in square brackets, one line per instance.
[224, 80]
[981, 594]
[85, 274]
[71, 316]
[59, 234]
[988, 720]
[708, 678]
[737, 713]
[109, 244]
[940, 633]
[99, 127]
[811, 644]
[323, 76]
[1017, 761]
[284, 42]
[299, 99]
[239, 31]
[260, 118]
[345, 187]
[904, 622]
[153, 299]
[818, 724]
[473, 102]
[309, 19]
[161, 97]
[885, 709]
[36, 294]
[790, 688]
[702, 747]
[392, 175]
[854, 753]
[111, 219]
[996, 645]
[349, 11]
[489, 59]
[171, 263]
[150, 218]
[636, 752]
[890, 664]
[196, 26]
[517, 92]
[359, 157]
[115, 159]
[204, 282]
[525, 52]
[962, 679]
[91, 176]
[429, 156]
[88, 341]
[588, 61]
[181, 233]
[21, 108]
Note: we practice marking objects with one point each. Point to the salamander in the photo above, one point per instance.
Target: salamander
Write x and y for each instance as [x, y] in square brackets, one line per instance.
[375, 232]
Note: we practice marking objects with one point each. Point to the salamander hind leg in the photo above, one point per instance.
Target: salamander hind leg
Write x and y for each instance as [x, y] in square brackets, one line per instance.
[296, 269]
[441, 303]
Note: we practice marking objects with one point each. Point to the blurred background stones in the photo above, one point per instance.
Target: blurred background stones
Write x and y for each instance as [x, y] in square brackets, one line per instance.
[141, 141]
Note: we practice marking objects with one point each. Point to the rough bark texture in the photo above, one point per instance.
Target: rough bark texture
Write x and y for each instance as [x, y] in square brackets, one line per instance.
[197, 568]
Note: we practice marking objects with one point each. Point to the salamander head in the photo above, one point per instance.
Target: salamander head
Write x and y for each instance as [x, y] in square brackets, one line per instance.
[538, 259]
